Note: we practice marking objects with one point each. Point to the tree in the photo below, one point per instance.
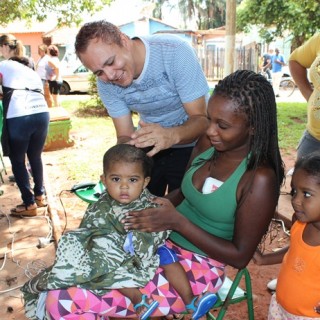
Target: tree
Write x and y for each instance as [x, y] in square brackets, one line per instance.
[300, 18]
[65, 11]
[208, 13]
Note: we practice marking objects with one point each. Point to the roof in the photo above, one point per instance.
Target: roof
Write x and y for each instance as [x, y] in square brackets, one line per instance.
[62, 35]
[144, 18]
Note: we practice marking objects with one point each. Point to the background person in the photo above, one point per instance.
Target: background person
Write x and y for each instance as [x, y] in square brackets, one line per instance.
[278, 62]
[149, 75]
[210, 229]
[26, 120]
[41, 68]
[306, 57]
[267, 63]
[300, 261]
[54, 75]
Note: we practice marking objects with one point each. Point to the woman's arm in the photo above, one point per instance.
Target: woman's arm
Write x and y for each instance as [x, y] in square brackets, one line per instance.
[270, 258]
[252, 220]
[299, 75]
[55, 67]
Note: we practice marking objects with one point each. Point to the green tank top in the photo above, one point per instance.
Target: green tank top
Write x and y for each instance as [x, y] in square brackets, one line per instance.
[213, 212]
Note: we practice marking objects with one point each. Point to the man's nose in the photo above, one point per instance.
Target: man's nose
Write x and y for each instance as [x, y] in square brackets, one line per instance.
[110, 73]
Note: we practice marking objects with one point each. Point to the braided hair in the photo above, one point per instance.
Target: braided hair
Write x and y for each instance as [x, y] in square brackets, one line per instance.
[255, 97]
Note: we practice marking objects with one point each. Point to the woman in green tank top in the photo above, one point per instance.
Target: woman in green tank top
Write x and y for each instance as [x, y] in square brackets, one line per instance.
[240, 149]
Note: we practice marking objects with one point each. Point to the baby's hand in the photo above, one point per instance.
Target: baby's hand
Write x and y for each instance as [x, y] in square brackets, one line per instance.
[317, 308]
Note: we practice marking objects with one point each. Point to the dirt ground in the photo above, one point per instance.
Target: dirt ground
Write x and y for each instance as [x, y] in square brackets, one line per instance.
[20, 254]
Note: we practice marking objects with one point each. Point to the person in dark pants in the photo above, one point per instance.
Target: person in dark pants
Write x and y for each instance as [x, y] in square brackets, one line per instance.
[25, 126]
[160, 78]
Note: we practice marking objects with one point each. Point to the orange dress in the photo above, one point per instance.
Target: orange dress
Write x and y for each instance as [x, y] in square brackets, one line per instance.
[298, 287]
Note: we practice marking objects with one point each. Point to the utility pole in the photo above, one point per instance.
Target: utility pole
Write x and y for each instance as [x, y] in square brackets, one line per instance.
[230, 37]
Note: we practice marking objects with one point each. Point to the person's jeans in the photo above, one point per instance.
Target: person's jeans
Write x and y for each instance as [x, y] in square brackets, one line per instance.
[307, 144]
[168, 170]
[27, 136]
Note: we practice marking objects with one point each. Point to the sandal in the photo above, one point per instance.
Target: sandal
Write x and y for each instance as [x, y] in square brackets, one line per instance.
[22, 210]
[41, 201]
[150, 307]
[205, 303]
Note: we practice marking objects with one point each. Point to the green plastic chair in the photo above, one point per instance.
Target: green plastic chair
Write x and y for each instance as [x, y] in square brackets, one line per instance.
[229, 293]
[91, 193]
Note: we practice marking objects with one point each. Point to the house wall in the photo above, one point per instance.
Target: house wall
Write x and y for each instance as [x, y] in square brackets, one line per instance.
[143, 27]
[155, 26]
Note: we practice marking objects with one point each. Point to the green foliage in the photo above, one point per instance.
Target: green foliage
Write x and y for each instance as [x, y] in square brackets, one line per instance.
[208, 14]
[299, 17]
[65, 11]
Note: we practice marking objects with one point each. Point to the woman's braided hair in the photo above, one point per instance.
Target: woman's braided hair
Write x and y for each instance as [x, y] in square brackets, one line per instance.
[255, 97]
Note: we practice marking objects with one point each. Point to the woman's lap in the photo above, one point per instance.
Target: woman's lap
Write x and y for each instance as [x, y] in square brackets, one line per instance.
[204, 275]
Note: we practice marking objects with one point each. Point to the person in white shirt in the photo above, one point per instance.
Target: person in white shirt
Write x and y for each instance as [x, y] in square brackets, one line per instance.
[41, 68]
[54, 74]
[25, 126]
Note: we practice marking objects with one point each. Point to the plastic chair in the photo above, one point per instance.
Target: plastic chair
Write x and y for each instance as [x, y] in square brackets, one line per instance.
[231, 293]
[88, 191]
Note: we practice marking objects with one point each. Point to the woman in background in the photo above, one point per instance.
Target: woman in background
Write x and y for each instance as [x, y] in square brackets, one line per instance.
[41, 68]
[54, 74]
[25, 126]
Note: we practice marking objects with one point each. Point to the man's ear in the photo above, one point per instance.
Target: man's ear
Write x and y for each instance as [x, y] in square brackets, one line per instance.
[146, 181]
[124, 40]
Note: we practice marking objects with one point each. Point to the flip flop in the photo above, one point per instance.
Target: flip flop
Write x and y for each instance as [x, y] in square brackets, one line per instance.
[25, 212]
[205, 303]
[150, 307]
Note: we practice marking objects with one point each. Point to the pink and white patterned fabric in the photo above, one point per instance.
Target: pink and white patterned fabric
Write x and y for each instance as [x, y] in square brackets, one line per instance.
[74, 303]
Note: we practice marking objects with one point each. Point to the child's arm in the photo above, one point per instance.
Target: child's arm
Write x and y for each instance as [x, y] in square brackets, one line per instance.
[270, 258]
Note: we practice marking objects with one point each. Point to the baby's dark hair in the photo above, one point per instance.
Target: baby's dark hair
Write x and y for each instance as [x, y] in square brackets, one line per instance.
[130, 154]
[309, 163]
[255, 97]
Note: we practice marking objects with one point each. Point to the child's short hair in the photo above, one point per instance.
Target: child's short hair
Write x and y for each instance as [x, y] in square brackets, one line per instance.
[130, 154]
[309, 163]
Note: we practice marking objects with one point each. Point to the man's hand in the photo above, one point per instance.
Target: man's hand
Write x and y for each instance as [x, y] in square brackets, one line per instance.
[152, 135]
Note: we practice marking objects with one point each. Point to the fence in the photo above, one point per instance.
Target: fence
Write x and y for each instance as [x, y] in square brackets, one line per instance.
[212, 59]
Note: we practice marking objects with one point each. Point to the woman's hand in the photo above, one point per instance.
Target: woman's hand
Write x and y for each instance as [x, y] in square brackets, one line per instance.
[164, 217]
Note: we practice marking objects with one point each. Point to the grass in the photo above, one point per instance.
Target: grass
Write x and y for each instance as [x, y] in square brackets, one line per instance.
[292, 119]
[90, 124]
